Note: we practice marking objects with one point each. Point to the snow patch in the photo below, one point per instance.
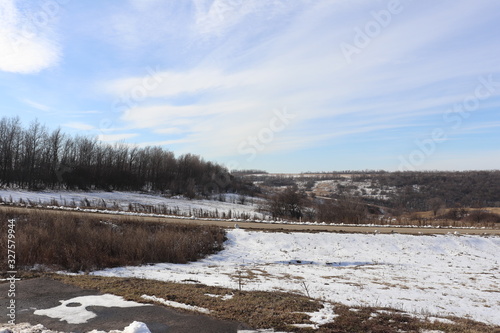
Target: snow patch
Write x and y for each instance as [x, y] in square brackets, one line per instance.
[260, 331]
[222, 297]
[74, 311]
[175, 304]
[135, 327]
[323, 316]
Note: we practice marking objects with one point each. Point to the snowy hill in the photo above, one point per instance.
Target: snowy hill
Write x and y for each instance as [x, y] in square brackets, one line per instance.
[221, 204]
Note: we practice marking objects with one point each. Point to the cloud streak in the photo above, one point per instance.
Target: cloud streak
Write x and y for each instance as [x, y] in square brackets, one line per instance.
[393, 83]
[207, 76]
[36, 105]
[27, 42]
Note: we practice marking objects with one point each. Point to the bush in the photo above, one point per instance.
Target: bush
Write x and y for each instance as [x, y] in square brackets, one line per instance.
[481, 216]
[79, 242]
[455, 214]
[286, 204]
[342, 210]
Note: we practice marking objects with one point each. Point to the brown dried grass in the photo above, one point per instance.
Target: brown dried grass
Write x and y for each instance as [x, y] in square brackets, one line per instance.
[76, 243]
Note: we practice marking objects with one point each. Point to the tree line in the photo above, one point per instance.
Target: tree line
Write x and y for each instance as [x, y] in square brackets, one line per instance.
[403, 192]
[427, 190]
[36, 158]
[292, 203]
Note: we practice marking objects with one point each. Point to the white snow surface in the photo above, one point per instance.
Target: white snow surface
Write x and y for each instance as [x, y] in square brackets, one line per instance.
[135, 327]
[175, 304]
[122, 200]
[444, 275]
[323, 316]
[74, 311]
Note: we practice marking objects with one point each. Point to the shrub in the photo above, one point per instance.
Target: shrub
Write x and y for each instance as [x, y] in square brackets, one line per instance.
[481, 216]
[79, 242]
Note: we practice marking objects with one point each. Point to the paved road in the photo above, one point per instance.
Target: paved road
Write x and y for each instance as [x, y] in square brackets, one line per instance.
[45, 293]
[293, 227]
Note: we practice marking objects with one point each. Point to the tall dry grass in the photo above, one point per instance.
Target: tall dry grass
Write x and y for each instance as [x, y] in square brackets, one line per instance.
[82, 243]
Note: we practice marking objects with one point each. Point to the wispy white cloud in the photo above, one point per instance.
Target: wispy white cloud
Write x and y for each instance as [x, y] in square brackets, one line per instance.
[136, 24]
[116, 137]
[218, 17]
[481, 128]
[27, 43]
[87, 112]
[79, 126]
[169, 130]
[408, 75]
[36, 105]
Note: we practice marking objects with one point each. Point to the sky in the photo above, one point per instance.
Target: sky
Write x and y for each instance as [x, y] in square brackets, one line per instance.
[276, 85]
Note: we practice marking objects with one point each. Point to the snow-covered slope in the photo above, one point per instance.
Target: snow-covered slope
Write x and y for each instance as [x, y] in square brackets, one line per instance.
[435, 275]
[122, 200]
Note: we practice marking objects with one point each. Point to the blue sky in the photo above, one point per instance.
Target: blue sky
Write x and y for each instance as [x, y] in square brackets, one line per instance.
[284, 86]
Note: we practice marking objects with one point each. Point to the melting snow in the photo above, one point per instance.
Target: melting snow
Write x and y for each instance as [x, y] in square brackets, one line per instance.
[444, 275]
[74, 310]
[135, 327]
[175, 304]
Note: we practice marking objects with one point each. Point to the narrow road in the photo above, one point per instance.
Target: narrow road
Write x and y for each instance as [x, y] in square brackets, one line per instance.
[284, 227]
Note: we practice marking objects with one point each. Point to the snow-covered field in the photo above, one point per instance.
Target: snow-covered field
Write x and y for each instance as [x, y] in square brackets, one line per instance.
[447, 275]
[122, 200]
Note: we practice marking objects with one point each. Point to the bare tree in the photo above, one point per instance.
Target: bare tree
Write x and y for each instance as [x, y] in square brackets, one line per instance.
[345, 209]
[436, 204]
[289, 203]
[34, 158]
